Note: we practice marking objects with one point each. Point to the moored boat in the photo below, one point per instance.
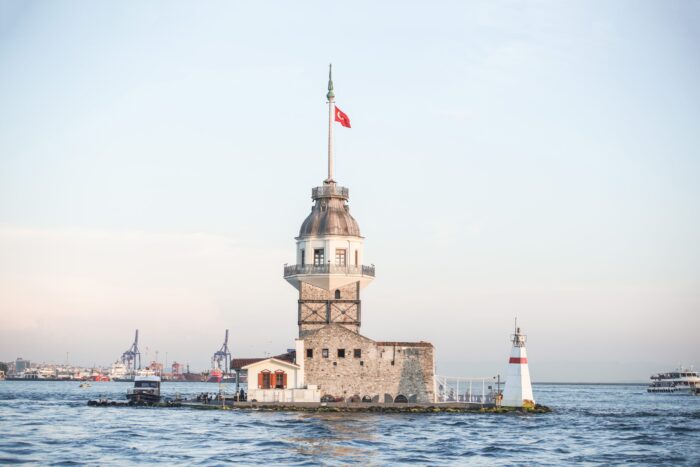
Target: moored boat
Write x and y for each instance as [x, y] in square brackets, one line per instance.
[146, 389]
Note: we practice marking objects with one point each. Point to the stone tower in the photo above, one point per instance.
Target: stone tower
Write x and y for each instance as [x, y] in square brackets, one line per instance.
[328, 272]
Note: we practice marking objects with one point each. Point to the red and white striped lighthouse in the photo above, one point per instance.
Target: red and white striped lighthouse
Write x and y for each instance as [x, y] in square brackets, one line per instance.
[518, 389]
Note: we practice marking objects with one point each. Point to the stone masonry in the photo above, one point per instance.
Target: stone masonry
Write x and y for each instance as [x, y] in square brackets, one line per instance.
[366, 369]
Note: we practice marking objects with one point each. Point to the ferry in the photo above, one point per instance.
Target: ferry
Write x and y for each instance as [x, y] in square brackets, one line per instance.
[146, 389]
[680, 381]
[120, 372]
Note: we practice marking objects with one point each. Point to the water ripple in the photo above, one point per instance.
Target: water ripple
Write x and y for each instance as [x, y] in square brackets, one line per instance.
[49, 423]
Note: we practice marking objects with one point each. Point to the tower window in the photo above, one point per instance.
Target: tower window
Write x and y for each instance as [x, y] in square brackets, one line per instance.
[303, 257]
[309, 353]
[337, 294]
[340, 257]
[319, 257]
[324, 353]
[341, 353]
[357, 258]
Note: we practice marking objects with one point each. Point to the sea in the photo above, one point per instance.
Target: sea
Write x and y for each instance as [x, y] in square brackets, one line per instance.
[49, 423]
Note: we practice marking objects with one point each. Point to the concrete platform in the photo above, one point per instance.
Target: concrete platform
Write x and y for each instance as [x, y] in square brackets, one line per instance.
[320, 407]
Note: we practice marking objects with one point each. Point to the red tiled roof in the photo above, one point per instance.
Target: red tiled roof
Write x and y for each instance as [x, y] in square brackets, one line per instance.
[238, 363]
[405, 344]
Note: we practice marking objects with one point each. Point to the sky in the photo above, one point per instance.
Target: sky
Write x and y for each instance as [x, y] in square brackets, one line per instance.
[537, 160]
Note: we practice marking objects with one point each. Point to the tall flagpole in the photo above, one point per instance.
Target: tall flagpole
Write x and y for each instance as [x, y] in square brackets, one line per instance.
[331, 118]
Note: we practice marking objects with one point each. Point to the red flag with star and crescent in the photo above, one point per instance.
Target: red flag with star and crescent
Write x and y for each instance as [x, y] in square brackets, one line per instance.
[342, 117]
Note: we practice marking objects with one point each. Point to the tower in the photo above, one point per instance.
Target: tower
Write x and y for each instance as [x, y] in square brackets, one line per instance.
[518, 389]
[328, 272]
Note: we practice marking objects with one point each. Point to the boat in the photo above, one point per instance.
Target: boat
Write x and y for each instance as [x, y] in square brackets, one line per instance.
[120, 372]
[84, 385]
[146, 389]
[215, 376]
[680, 381]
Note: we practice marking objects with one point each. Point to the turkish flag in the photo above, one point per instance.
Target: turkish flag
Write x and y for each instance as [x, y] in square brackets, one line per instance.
[341, 117]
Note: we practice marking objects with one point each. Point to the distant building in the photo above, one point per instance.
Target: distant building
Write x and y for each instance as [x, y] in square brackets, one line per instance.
[156, 367]
[21, 365]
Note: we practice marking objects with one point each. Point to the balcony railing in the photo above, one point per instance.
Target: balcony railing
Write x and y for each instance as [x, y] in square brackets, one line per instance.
[330, 191]
[294, 269]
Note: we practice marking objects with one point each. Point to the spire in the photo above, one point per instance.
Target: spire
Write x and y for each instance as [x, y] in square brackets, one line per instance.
[330, 94]
[331, 117]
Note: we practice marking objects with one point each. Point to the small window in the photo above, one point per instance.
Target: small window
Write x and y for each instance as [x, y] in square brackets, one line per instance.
[341, 353]
[392, 362]
[280, 379]
[319, 257]
[303, 257]
[309, 353]
[357, 353]
[337, 294]
[362, 363]
[324, 353]
[357, 261]
[340, 257]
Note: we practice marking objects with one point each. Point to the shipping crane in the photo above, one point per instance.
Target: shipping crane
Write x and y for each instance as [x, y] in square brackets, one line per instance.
[222, 358]
[130, 357]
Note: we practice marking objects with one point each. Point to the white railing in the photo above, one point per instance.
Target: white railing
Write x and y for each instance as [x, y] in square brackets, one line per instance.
[294, 269]
[473, 390]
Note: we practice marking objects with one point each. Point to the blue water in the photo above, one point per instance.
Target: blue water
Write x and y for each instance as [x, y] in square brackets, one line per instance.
[49, 423]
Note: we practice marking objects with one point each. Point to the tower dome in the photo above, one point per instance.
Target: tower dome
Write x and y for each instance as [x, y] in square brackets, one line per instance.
[330, 214]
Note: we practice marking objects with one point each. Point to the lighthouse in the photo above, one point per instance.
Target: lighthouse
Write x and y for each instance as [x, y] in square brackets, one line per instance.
[329, 273]
[518, 389]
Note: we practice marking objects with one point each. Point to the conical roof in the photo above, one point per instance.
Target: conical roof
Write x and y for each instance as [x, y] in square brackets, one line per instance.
[330, 214]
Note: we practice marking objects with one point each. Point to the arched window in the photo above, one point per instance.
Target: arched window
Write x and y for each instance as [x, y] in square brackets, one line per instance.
[337, 294]
[401, 399]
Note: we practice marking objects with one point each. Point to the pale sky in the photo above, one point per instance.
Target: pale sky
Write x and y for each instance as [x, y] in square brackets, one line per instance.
[529, 159]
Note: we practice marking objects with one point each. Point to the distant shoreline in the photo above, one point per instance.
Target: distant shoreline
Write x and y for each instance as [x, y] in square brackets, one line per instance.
[538, 383]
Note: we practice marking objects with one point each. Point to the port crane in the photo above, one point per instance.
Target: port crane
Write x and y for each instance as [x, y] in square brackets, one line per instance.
[222, 357]
[130, 357]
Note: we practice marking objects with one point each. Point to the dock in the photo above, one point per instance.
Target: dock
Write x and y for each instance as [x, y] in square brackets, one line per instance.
[326, 407]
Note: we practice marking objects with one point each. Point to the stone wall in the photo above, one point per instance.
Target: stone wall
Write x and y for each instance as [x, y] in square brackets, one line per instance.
[381, 372]
[318, 307]
[311, 292]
